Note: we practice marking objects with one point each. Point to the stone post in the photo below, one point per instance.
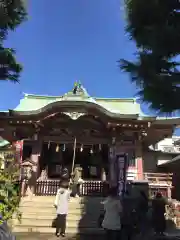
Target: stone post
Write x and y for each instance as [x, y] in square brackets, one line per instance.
[36, 151]
[113, 180]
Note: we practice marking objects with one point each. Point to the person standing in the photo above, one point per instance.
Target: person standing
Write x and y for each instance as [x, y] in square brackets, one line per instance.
[112, 222]
[142, 210]
[128, 218]
[158, 214]
[61, 204]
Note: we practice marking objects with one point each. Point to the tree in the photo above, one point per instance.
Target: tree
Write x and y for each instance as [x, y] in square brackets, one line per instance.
[12, 14]
[9, 187]
[155, 28]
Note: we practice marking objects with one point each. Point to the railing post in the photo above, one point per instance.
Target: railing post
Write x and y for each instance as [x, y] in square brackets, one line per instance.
[169, 192]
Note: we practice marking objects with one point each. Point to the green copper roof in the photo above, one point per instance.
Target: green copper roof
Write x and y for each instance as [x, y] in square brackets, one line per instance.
[3, 142]
[121, 106]
[124, 106]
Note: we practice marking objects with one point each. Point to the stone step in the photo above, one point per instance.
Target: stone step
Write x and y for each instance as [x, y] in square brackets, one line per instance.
[52, 210]
[49, 211]
[51, 236]
[39, 213]
[45, 215]
[47, 200]
[70, 217]
[69, 230]
[48, 222]
[51, 207]
[50, 204]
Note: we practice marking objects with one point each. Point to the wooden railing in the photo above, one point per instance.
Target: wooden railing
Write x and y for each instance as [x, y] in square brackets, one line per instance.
[157, 182]
[47, 188]
[159, 178]
[88, 188]
[93, 188]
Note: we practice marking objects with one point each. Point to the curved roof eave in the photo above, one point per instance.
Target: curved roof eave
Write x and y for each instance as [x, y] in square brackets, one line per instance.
[66, 103]
[167, 121]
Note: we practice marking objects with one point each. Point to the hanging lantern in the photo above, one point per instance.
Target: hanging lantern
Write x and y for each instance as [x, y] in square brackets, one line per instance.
[57, 148]
[81, 149]
[64, 147]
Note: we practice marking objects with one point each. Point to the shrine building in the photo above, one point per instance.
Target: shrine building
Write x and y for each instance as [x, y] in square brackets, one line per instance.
[77, 129]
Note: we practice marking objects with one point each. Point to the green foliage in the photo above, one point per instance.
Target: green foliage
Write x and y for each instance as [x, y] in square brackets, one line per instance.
[12, 14]
[155, 27]
[9, 189]
[9, 68]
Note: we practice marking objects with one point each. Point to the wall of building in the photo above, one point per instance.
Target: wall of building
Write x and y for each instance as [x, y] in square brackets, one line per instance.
[149, 161]
[167, 145]
[153, 159]
[164, 157]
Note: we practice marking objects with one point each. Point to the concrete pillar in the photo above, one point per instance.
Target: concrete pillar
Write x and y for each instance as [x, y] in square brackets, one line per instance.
[139, 162]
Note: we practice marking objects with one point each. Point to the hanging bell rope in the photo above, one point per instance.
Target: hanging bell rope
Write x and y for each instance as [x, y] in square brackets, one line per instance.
[74, 156]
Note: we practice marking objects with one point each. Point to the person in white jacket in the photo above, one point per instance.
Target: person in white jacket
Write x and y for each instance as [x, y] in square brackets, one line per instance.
[112, 209]
[61, 204]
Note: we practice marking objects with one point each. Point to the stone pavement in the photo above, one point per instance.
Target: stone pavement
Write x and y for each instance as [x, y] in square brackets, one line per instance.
[41, 236]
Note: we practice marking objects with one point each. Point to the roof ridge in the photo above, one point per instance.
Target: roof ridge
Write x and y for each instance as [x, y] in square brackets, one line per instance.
[29, 95]
[115, 99]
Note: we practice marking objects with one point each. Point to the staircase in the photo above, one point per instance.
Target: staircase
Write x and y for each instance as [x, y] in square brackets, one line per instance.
[39, 212]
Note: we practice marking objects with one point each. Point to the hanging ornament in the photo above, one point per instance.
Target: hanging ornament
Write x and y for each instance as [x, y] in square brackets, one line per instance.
[64, 147]
[91, 151]
[57, 148]
[81, 149]
[49, 143]
[35, 137]
[100, 147]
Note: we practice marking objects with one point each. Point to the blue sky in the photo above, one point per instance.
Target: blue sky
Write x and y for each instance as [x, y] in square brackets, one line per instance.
[71, 40]
[66, 41]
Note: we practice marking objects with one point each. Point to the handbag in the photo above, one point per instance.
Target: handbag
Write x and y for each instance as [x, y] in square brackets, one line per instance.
[100, 219]
[54, 223]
